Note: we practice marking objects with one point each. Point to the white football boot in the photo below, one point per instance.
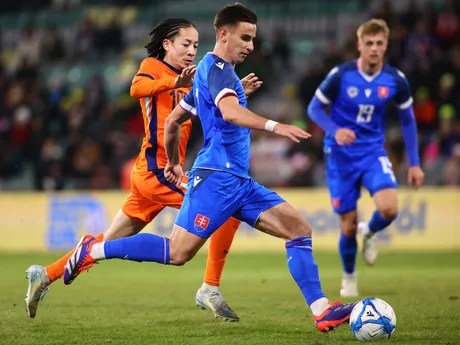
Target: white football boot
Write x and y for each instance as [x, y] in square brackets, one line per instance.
[38, 287]
[209, 297]
[370, 250]
[349, 285]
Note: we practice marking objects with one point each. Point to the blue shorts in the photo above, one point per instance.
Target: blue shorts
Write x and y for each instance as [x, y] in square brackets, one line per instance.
[215, 196]
[346, 175]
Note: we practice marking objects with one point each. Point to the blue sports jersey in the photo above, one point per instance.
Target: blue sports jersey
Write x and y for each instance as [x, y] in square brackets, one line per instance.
[358, 102]
[226, 146]
[214, 196]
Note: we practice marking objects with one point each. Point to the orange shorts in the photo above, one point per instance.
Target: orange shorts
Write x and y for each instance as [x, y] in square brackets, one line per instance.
[150, 194]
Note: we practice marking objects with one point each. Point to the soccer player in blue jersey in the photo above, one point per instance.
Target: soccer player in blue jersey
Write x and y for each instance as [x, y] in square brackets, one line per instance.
[219, 184]
[358, 93]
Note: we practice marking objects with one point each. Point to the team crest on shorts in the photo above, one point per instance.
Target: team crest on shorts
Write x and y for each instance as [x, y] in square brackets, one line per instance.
[336, 202]
[201, 222]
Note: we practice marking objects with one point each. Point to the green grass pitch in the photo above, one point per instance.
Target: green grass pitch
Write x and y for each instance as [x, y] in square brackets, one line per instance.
[121, 302]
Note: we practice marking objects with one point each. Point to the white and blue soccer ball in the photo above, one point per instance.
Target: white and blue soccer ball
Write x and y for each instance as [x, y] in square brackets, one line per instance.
[372, 319]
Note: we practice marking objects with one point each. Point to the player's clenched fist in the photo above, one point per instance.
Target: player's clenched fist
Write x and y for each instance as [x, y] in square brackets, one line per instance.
[292, 132]
[186, 77]
[174, 174]
[345, 136]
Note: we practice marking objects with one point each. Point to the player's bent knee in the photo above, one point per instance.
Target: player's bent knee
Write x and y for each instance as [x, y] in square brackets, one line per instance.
[349, 223]
[389, 212]
[183, 246]
[301, 228]
[180, 259]
[349, 229]
[180, 256]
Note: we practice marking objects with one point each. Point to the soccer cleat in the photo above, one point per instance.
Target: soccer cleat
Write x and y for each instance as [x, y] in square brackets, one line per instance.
[213, 301]
[370, 250]
[38, 287]
[349, 286]
[80, 260]
[334, 316]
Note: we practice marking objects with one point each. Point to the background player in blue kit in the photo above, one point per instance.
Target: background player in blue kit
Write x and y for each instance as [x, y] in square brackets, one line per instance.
[358, 93]
[219, 184]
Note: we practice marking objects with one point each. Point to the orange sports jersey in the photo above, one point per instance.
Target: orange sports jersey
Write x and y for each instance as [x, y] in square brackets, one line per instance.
[153, 85]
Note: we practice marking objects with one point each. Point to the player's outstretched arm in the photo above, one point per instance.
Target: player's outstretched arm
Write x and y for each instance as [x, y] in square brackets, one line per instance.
[415, 175]
[146, 84]
[173, 170]
[234, 113]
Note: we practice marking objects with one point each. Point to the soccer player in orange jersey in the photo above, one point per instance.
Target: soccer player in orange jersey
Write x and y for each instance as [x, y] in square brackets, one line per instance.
[162, 80]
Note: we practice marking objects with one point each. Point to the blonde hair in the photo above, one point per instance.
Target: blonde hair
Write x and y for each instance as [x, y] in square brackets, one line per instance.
[373, 27]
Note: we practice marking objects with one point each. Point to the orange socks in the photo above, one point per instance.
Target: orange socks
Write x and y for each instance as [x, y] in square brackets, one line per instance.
[56, 269]
[219, 247]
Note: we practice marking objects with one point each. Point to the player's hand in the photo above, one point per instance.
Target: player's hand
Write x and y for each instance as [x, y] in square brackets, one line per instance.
[174, 174]
[251, 84]
[415, 177]
[292, 132]
[186, 77]
[345, 136]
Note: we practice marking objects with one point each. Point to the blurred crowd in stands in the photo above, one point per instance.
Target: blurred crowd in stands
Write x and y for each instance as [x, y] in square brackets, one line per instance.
[56, 137]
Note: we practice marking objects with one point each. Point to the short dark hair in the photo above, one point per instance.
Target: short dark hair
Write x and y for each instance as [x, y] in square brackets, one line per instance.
[166, 30]
[234, 14]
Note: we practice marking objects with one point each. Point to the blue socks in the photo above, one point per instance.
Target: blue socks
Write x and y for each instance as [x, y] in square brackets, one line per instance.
[140, 247]
[378, 223]
[348, 247]
[303, 268]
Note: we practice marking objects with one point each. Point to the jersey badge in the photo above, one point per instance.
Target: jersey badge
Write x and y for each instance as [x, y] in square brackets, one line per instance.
[201, 222]
[383, 91]
[352, 91]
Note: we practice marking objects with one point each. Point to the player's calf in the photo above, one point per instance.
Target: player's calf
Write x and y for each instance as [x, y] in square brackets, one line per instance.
[284, 221]
[181, 258]
[183, 246]
[349, 223]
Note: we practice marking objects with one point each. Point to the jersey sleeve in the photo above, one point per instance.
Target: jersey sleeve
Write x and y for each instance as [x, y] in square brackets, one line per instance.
[403, 96]
[328, 91]
[188, 102]
[147, 82]
[221, 81]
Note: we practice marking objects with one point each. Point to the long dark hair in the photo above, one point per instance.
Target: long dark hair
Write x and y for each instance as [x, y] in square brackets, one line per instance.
[167, 29]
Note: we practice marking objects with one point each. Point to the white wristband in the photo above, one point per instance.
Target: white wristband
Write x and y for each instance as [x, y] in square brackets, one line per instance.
[270, 125]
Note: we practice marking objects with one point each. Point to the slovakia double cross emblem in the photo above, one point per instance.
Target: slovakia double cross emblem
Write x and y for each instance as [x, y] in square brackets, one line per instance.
[201, 222]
